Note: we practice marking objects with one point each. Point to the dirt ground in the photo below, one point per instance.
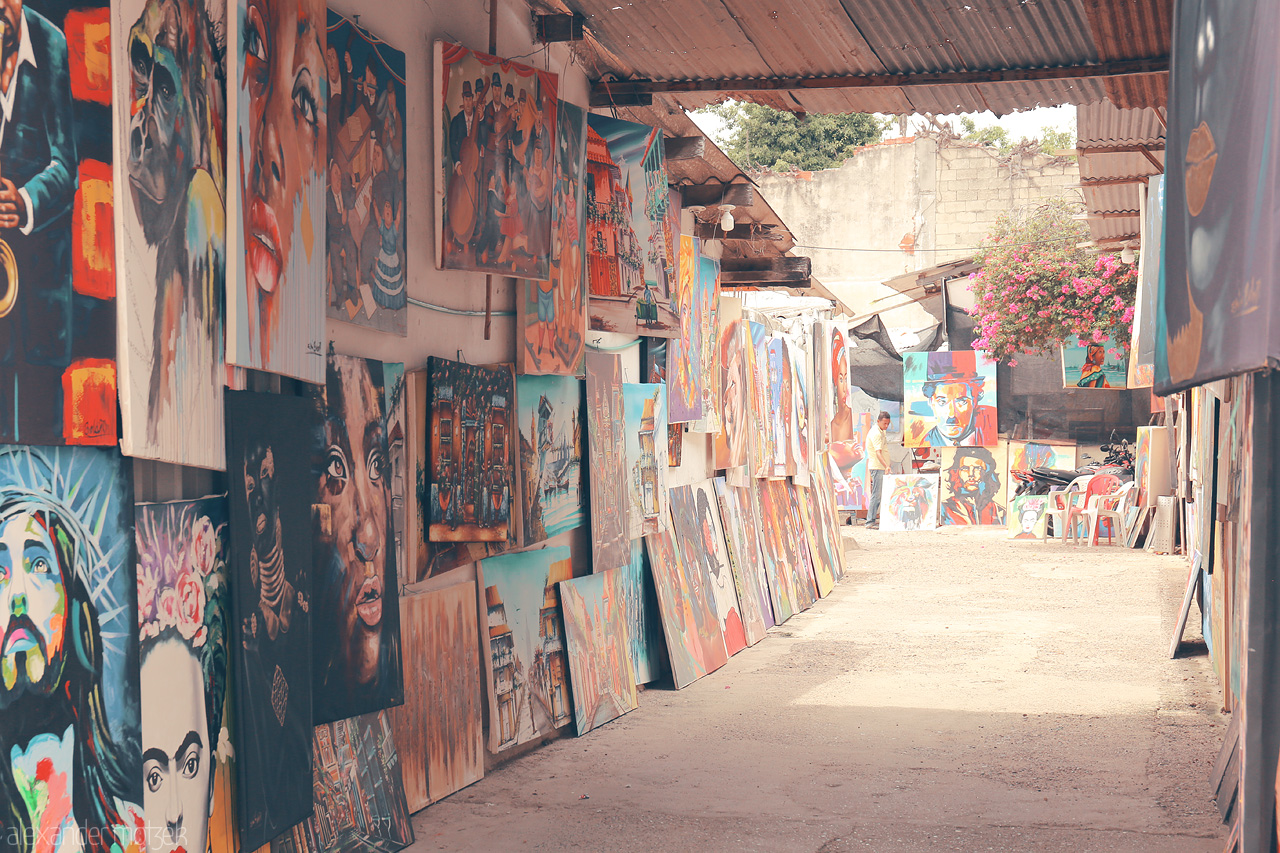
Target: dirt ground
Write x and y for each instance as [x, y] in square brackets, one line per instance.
[958, 691]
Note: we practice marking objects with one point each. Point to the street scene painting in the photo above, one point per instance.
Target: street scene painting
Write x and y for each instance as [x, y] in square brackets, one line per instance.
[696, 516]
[695, 645]
[631, 252]
[743, 543]
[278, 161]
[909, 502]
[644, 624]
[524, 653]
[356, 647]
[359, 802]
[495, 140]
[57, 243]
[470, 452]
[1088, 364]
[171, 229]
[598, 645]
[70, 754]
[645, 423]
[553, 311]
[550, 427]
[366, 230]
[606, 438]
[183, 628]
[272, 488]
[950, 399]
[973, 486]
[1027, 517]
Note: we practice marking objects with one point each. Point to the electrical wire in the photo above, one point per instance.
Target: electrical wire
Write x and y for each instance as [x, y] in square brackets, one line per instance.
[918, 249]
[618, 348]
[461, 312]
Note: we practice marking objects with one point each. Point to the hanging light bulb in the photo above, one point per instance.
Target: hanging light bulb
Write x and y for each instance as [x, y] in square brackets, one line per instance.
[1126, 255]
[726, 218]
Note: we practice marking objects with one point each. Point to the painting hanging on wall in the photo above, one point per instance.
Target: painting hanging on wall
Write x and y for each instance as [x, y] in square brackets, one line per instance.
[1086, 364]
[495, 138]
[690, 353]
[695, 645]
[630, 248]
[950, 399]
[393, 397]
[645, 422]
[366, 229]
[1027, 517]
[438, 730]
[760, 437]
[70, 744]
[471, 452]
[57, 248]
[184, 666]
[523, 648]
[653, 359]
[356, 617]
[644, 625]
[171, 229]
[270, 456]
[781, 422]
[359, 799]
[702, 550]
[675, 445]
[909, 501]
[973, 486]
[278, 161]
[553, 312]
[608, 479]
[598, 647]
[743, 543]
[549, 409]
[732, 397]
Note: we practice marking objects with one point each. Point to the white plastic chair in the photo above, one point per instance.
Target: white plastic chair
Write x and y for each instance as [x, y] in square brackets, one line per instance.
[1061, 502]
[1111, 508]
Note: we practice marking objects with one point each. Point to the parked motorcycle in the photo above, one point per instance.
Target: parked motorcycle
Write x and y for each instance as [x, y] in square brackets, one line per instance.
[1039, 481]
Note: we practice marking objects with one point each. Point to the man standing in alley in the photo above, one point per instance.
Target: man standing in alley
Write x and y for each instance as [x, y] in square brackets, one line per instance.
[877, 464]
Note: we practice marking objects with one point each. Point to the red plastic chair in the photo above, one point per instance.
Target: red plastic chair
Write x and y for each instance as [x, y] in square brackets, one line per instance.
[1101, 484]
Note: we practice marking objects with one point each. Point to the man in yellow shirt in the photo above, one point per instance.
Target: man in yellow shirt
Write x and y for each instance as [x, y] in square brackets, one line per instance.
[877, 464]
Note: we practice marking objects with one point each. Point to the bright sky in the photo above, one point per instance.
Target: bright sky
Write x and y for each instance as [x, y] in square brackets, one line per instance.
[1024, 124]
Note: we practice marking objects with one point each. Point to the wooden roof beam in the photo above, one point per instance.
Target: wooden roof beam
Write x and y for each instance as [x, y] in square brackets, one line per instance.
[1145, 148]
[747, 272]
[606, 93]
[684, 147]
[714, 193]
[741, 231]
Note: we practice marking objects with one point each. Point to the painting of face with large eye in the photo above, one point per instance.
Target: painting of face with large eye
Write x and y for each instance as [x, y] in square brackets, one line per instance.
[276, 321]
[357, 651]
[33, 605]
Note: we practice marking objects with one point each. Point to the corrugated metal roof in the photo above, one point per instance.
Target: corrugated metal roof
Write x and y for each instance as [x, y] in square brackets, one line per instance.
[1104, 124]
[731, 39]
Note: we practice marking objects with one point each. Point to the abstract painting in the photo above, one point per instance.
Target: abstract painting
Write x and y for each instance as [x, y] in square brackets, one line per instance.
[781, 411]
[950, 399]
[653, 359]
[645, 421]
[820, 557]
[777, 546]
[696, 517]
[354, 608]
[598, 646]
[278, 160]
[438, 729]
[57, 240]
[183, 606]
[359, 799]
[393, 397]
[630, 246]
[691, 353]
[1152, 466]
[733, 391]
[1026, 455]
[553, 312]
[171, 225]
[644, 625]
[366, 228]
[695, 645]
[70, 747]
[523, 649]
[675, 445]
[973, 486]
[549, 410]
[1027, 517]
[1086, 364]
[471, 452]
[608, 479]
[909, 501]
[270, 452]
[495, 138]
[743, 543]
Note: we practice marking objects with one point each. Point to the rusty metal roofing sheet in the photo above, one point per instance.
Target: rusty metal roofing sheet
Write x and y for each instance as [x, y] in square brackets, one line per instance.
[1105, 124]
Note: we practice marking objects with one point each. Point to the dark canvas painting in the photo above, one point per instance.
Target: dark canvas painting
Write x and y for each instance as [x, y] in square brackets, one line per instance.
[1216, 311]
[356, 616]
[359, 803]
[471, 452]
[271, 488]
[57, 250]
[69, 715]
[365, 183]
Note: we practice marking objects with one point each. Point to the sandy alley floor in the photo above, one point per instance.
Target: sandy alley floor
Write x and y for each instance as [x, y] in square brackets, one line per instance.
[958, 691]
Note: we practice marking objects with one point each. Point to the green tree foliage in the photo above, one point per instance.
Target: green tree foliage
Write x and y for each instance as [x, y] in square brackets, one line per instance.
[756, 136]
[992, 136]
